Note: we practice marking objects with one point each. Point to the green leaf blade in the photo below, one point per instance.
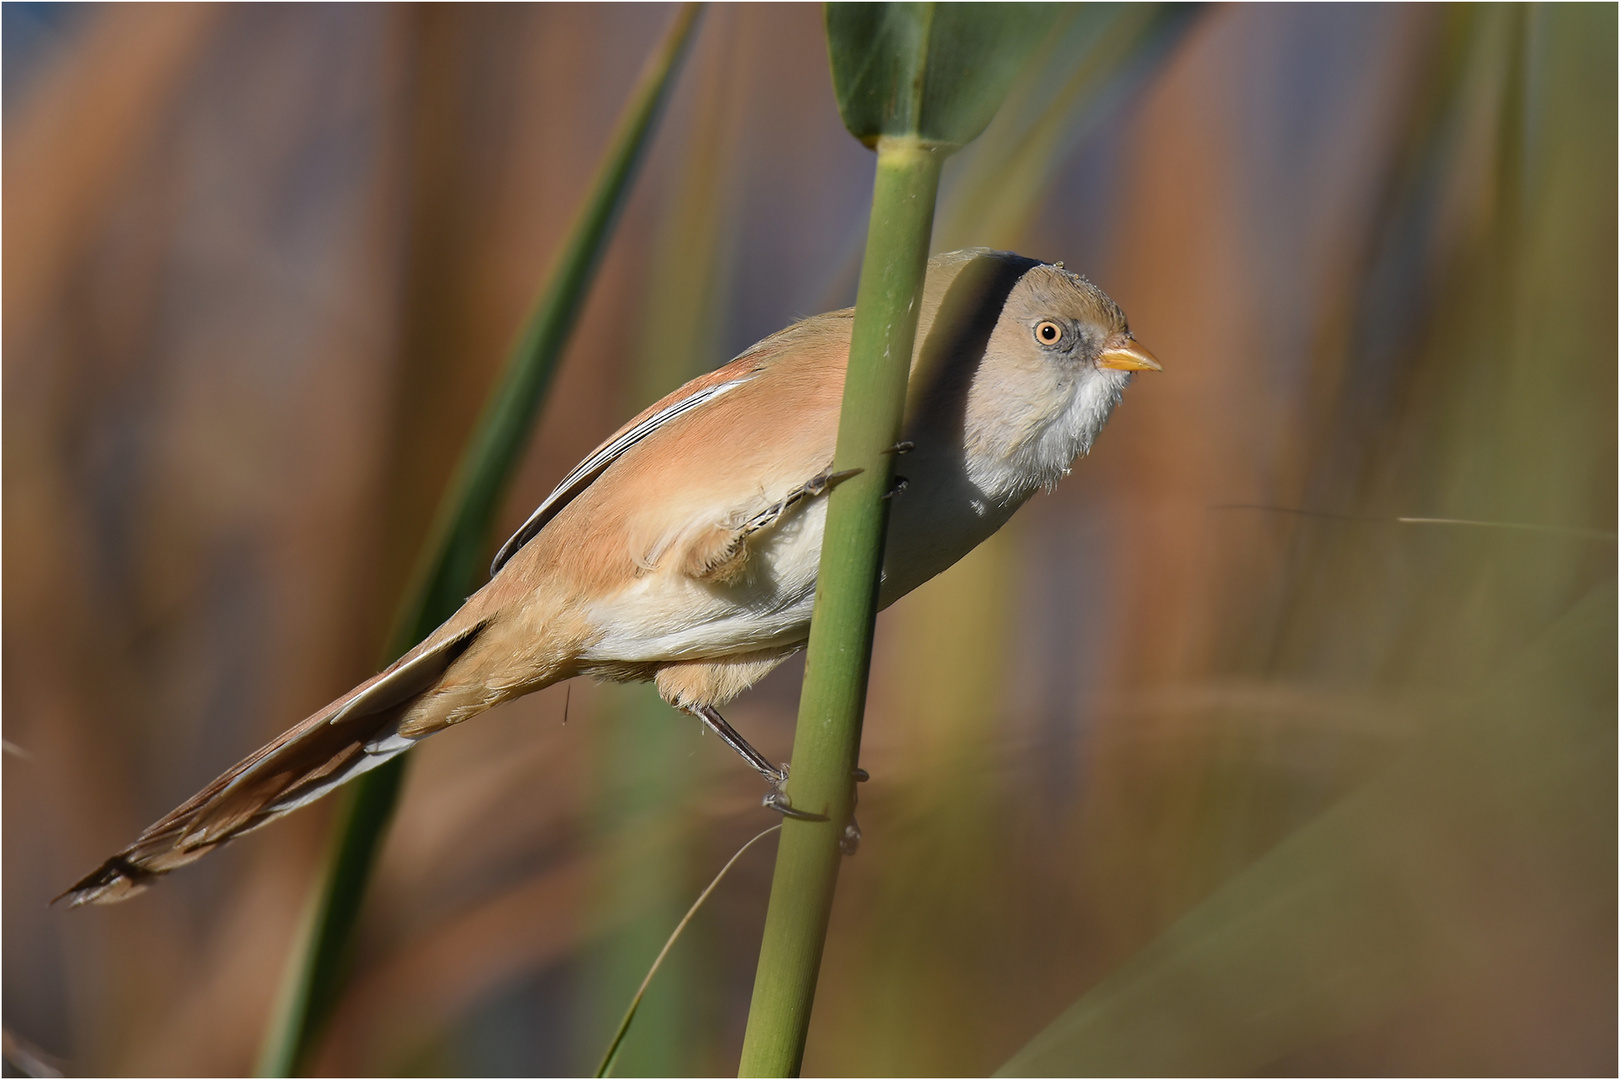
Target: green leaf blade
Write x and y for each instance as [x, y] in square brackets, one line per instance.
[931, 72]
[453, 556]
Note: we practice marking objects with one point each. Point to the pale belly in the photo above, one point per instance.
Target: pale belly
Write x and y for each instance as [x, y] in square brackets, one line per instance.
[665, 615]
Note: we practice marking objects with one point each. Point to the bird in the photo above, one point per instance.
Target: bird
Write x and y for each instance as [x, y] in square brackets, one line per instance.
[684, 549]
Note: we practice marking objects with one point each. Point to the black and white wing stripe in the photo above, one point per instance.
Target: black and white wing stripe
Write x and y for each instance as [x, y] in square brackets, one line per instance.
[592, 467]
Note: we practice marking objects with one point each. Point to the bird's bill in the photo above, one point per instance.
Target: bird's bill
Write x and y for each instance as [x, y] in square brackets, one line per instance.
[1128, 356]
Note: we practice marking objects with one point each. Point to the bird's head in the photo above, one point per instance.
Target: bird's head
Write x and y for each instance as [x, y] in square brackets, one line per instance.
[1056, 358]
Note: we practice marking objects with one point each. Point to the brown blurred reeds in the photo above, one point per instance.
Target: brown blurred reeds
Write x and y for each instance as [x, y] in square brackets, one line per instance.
[262, 264]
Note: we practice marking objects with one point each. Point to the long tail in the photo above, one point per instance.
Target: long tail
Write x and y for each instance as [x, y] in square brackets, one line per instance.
[354, 734]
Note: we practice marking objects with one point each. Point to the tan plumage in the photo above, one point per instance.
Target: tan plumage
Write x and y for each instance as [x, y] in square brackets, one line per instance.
[684, 549]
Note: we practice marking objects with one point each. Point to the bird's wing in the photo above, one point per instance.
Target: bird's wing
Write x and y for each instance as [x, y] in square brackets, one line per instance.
[691, 396]
[717, 550]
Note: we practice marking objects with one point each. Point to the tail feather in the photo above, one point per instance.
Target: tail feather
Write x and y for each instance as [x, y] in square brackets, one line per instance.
[352, 735]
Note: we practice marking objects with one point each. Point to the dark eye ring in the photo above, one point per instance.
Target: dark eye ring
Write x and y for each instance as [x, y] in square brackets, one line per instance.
[1048, 332]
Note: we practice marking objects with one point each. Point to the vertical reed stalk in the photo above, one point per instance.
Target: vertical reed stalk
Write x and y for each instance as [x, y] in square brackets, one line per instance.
[915, 82]
[827, 740]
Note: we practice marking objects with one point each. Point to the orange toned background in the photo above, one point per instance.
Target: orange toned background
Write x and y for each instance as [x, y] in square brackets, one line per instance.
[262, 262]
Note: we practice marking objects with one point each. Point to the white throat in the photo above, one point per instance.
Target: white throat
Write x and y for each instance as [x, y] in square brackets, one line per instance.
[1037, 446]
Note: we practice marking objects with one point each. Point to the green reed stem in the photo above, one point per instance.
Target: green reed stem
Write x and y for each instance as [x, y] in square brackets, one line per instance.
[826, 743]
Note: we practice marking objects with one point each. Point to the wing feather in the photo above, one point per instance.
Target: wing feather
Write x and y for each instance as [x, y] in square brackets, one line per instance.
[606, 454]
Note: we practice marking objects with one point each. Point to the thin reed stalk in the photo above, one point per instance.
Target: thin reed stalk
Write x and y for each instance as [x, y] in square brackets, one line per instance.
[610, 1058]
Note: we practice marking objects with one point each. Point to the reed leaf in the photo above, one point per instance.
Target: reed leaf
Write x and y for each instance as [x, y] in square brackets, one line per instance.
[455, 550]
[933, 72]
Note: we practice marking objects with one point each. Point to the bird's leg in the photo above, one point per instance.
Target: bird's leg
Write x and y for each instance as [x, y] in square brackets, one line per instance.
[817, 485]
[775, 799]
[898, 483]
[716, 723]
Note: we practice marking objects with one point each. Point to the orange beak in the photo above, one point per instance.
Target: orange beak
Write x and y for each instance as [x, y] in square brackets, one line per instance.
[1128, 356]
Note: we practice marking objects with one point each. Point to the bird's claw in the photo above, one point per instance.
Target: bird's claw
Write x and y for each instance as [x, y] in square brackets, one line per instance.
[827, 480]
[849, 841]
[776, 799]
[779, 802]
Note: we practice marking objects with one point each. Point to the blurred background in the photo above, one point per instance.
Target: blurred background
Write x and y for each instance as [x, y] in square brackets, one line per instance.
[1279, 739]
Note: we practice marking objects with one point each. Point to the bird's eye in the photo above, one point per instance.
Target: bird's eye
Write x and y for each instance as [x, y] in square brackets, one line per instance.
[1048, 332]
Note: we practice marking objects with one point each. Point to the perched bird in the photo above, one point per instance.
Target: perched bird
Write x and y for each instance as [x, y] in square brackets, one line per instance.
[684, 549]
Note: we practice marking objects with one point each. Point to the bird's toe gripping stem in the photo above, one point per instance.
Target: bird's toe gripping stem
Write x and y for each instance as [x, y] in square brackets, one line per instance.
[776, 799]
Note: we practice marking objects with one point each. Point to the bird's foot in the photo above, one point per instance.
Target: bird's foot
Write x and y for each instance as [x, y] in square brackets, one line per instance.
[776, 799]
[849, 841]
